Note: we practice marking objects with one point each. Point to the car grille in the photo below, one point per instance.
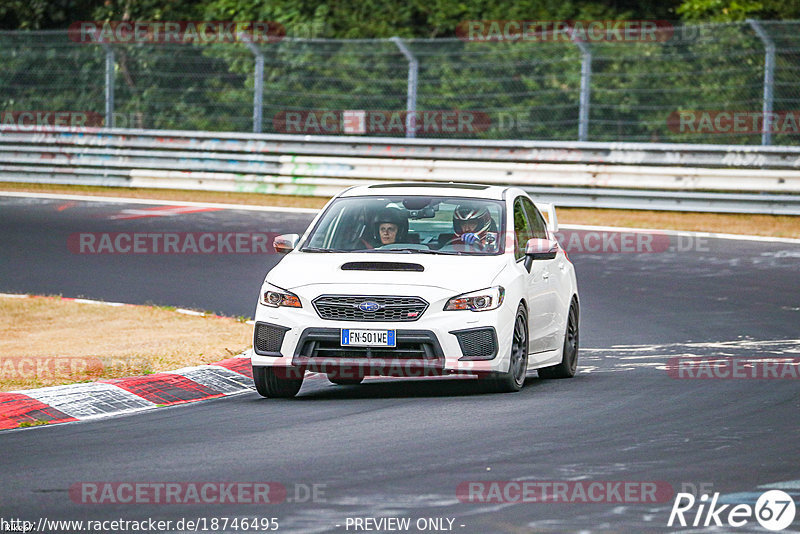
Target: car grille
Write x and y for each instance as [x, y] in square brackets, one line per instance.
[403, 351]
[268, 338]
[325, 343]
[346, 308]
[477, 342]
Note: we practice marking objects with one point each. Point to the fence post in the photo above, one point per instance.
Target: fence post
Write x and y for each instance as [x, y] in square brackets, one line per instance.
[258, 87]
[411, 91]
[109, 85]
[769, 74]
[586, 88]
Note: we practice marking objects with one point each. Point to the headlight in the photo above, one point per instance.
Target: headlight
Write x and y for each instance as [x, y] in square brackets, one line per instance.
[482, 300]
[274, 296]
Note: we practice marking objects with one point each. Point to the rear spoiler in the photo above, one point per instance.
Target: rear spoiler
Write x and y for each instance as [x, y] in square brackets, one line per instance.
[549, 212]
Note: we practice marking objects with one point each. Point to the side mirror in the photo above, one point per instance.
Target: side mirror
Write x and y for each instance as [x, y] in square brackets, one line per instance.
[285, 243]
[540, 249]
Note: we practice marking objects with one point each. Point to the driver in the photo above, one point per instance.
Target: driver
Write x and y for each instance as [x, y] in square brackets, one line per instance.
[473, 225]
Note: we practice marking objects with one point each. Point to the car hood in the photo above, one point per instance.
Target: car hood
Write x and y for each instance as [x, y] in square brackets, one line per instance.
[453, 273]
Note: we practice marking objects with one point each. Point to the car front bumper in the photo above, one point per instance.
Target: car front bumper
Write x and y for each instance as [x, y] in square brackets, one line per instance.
[438, 342]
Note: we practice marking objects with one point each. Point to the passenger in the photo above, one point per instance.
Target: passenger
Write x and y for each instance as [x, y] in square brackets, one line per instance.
[389, 226]
[387, 232]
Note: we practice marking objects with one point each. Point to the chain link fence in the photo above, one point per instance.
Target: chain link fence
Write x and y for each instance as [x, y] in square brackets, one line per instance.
[538, 90]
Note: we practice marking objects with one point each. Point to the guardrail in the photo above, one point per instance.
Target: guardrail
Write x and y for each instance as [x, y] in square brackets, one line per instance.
[732, 178]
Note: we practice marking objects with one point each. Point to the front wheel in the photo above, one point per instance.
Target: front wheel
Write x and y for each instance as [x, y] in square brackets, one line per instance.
[514, 379]
[274, 382]
[569, 361]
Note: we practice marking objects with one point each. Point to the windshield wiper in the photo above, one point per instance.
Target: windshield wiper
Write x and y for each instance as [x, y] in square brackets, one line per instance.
[420, 251]
[313, 249]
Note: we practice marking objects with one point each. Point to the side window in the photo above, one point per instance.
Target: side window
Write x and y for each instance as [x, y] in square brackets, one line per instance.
[538, 226]
[522, 231]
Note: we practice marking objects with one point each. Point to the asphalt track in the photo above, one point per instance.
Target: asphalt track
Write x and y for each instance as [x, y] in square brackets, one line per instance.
[402, 448]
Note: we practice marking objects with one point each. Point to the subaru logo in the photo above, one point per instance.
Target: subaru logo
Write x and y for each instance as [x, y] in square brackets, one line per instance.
[369, 306]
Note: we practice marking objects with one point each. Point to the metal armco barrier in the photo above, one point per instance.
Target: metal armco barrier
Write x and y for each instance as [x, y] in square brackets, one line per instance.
[719, 178]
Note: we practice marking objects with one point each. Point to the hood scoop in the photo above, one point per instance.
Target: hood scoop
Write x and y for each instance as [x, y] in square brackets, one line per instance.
[382, 266]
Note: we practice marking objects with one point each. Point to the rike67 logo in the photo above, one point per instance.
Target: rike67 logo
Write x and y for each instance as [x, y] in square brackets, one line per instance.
[774, 510]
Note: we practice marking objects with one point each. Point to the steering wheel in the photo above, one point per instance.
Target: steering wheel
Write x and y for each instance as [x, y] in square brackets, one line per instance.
[478, 245]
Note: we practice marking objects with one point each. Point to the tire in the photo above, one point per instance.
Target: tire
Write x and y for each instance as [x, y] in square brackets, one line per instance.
[514, 379]
[569, 361]
[345, 381]
[270, 383]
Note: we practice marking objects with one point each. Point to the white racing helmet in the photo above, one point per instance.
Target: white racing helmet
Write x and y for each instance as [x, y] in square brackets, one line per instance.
[472, 213]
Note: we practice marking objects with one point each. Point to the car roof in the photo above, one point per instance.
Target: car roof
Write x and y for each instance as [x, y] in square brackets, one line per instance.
[428, 189]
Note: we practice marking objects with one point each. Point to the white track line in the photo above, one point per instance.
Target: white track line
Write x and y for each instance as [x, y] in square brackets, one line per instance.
[58, 196]
[66, 299]
[88, 198]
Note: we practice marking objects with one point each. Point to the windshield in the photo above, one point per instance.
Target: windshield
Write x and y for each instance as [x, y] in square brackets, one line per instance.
[410, 224]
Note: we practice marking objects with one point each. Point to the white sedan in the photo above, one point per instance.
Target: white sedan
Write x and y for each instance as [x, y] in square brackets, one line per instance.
[414, 279]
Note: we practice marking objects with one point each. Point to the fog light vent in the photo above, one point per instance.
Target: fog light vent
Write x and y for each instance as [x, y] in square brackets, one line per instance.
[268, 338]
[477, 343]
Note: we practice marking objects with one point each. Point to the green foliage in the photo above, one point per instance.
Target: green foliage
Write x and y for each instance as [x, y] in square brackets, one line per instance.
[43, 14]
[737, 10]
[381, 18]
[530, 90]
[150, 10]
[362, 19]
[719, 10]
[332, 18]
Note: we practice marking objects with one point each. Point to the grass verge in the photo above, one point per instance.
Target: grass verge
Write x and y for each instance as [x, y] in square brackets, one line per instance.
[50, 341]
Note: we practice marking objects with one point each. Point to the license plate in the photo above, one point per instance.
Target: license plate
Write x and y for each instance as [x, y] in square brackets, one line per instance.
[368, 338]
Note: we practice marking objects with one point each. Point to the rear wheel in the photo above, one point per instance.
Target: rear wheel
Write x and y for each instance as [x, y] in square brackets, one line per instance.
[275, 382]
[569, 361]
[514, 379]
